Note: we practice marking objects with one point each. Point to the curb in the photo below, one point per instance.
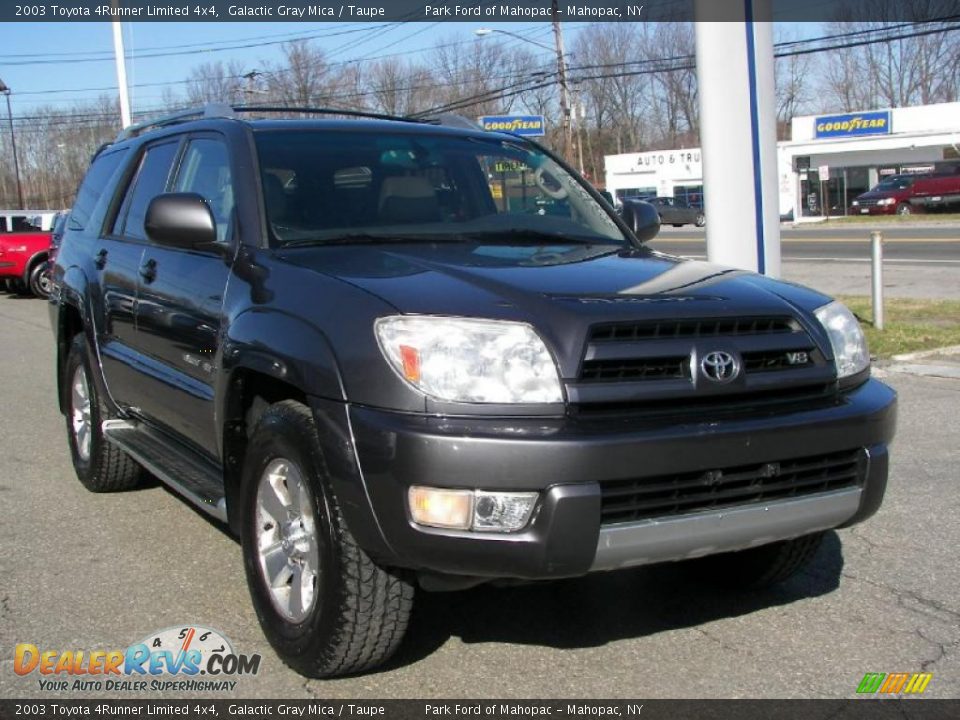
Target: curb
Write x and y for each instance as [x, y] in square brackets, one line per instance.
[912, 363]
[920, 354]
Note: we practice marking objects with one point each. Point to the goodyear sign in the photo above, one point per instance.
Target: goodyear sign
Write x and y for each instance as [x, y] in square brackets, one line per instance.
[852, 124]
[532, 125]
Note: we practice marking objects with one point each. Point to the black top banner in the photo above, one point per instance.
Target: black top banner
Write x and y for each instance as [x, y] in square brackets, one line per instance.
[486, 11]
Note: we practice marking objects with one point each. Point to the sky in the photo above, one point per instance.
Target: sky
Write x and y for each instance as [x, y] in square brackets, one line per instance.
[62, 63]
[56, 63]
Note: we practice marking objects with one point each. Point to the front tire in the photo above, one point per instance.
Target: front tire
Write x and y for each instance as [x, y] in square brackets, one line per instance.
[700, 221]
[325, 607]
[904, 209]
[100, 465]
[761, 567]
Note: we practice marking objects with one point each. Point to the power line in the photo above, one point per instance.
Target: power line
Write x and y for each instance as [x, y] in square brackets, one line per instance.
[53, 91]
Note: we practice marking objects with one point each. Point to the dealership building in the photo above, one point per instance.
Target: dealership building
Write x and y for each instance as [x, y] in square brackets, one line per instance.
[829, 160]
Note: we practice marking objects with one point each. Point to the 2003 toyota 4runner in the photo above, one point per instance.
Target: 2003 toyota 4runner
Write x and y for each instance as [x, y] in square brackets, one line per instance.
[395, 353]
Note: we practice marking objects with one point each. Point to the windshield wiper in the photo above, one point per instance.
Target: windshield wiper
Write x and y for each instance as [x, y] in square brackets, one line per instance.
[361, 238]
[536, 237]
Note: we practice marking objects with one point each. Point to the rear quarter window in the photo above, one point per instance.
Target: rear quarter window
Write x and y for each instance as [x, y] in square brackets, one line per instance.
[93, 186]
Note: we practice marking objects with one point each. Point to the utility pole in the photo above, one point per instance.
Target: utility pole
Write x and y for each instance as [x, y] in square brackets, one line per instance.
[13, 144]
[251, 78]
[564, 90]
[121, 71]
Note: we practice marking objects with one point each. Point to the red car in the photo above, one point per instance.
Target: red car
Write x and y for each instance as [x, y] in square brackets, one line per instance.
[23, 261]
[907, 194]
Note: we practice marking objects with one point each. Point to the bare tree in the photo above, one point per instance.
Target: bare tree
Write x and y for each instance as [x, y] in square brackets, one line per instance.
[398, 88]
[675, 98]
[215, 82]
[896, 72]
[792, 80]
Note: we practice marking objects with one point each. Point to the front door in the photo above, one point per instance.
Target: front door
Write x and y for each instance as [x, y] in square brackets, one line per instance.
[179, 304]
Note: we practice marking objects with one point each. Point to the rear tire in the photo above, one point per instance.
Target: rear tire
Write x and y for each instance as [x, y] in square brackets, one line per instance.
[100, 465]
[325, 607]
[763, 566]
[40, 279]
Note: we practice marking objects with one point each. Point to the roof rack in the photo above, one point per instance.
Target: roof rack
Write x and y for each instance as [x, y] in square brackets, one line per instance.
[324, 111]
[453, 120]
[220, 110]
[211, 110]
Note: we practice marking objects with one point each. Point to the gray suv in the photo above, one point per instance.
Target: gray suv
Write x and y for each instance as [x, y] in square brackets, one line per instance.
[392, 354]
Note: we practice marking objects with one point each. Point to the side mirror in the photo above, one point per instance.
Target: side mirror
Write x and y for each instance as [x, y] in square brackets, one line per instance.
[181, 220]
[642, 218]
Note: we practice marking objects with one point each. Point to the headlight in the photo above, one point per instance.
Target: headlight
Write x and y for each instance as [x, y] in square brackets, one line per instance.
[886, 201]
[849, 345]
[467, 360]
[856, 203]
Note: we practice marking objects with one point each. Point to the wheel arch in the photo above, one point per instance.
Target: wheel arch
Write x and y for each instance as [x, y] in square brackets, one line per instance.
[71, 318]
[37, 257]
[266, 357]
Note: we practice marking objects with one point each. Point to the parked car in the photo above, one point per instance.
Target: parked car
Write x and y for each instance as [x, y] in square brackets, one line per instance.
[907, 194]
[360, 344]
[26, 220]
[23, 258]
[676, 212]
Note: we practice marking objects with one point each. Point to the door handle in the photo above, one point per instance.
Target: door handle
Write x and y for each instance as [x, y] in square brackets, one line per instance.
[100, 259]
[148, 270]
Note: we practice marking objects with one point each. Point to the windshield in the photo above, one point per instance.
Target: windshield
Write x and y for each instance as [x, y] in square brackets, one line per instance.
[897, 182]
[338, 186]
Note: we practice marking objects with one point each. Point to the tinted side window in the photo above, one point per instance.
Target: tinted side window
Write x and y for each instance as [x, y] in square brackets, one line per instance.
[205, 170]
[93, 185]
[151, 181]
[21, 223]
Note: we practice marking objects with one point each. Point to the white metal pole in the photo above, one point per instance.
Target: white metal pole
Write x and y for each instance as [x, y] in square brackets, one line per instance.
[739, 135]
[876, 256]
[121, 73]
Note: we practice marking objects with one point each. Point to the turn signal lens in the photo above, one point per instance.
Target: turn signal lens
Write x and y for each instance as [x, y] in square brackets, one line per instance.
[436, 507]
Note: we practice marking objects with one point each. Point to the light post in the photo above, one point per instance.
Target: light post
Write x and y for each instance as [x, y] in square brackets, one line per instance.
[13, 143]
[561, 75]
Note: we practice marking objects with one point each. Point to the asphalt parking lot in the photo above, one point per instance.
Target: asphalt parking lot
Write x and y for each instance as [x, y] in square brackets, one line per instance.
[84, 571]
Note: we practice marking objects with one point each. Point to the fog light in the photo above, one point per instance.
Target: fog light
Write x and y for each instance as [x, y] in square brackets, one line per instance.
[441, 508]
[502, 511]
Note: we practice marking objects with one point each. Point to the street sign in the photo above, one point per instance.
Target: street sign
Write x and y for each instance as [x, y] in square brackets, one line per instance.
[824, 171]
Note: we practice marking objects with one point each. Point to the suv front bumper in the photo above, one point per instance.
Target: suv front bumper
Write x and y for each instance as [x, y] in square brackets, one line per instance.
[567, 461]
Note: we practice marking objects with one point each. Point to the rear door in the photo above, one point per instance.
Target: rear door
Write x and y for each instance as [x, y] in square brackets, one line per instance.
[180, 301]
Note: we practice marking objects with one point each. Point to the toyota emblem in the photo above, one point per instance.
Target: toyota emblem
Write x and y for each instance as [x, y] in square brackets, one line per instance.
[719, 366]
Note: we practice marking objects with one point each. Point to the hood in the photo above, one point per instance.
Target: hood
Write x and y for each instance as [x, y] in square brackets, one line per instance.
[881, 194]
[560, 291]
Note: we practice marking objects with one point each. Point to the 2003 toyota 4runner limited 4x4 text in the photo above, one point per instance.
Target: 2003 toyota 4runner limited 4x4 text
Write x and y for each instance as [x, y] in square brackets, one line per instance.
[397, 353]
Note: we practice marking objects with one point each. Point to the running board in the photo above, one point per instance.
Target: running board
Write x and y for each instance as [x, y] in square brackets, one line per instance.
[198, 480]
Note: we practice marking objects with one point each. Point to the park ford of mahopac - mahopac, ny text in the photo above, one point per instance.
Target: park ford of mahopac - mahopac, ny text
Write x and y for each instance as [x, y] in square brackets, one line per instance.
[521, 12]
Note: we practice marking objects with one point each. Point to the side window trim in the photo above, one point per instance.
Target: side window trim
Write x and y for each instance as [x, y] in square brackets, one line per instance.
[231, 230]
